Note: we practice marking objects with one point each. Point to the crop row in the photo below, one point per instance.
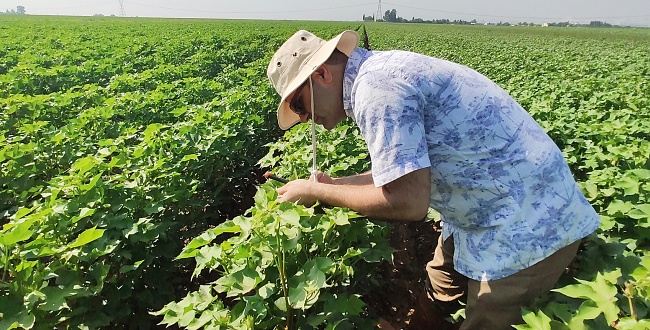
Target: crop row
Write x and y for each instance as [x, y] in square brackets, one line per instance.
[115, 148]
[130, 146]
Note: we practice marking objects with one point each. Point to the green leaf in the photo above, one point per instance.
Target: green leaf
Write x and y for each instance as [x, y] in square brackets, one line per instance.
[592, 189]
[55, 298]
[23, 211]
[86, 237]
[577, 291]
[254, 311]
[561, 311]
[291, 217]
[640, 173]
[240, 282]
[179, 111]
[200, 322]
[186, 318]
[610, 310]
[642, 272]
[281, 304]
[261, 199]
[303, 295]
[15, 314]
[151, 131]
[83, 165]
[239, 224]
[341, 219]
[18, 233]
[355, 305]
[304, 289]
[171, 312]
[607, 222]
[343, 304]
[58, 137]
[84, 212]
[190, 157]
[292, 235]
[128, 268]
[104, 151]
[267, 290]
[602, 292]
[605, 284]
[629, 185]
[588, 310]
[536, 321]
[352, 252]
[641, 211]
[153, 208]
[619, 207]
[206, 238]
[92, 183]
[629, 323]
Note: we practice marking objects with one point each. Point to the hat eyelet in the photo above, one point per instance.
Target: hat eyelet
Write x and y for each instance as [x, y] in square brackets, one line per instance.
[295, 54]
[279, 64]
[303, 38]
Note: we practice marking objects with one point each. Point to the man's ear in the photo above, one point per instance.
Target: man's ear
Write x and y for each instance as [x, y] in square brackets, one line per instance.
[323, 74]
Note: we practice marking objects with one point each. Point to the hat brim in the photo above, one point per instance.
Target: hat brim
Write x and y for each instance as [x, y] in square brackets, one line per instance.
[346, 42]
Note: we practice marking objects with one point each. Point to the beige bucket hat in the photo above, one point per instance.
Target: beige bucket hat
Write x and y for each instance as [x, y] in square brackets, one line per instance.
[297, 59]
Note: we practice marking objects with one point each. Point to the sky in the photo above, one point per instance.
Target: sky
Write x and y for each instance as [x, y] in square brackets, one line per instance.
[623, 12]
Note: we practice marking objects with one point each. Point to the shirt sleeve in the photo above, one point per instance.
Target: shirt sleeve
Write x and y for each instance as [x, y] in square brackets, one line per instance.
[389, 111]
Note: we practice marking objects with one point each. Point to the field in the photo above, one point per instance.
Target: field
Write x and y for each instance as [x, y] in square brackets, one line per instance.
[131, 188]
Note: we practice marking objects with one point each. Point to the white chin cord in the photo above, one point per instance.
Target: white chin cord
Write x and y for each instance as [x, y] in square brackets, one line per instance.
[314, 167]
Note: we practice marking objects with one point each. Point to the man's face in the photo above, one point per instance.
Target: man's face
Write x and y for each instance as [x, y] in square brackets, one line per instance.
[296, 103]
[326, 114]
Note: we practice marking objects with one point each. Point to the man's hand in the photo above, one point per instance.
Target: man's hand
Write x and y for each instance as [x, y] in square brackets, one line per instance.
[301, 191]
[297, 191]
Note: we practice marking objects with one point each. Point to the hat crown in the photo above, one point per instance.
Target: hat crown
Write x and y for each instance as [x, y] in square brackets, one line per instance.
[291, 58]
[299, 57]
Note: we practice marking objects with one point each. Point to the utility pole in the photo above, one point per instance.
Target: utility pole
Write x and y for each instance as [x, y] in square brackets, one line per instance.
[122, 12]
[378, 15]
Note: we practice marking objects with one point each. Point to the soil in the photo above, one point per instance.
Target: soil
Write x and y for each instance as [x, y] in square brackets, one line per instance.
[403, 281]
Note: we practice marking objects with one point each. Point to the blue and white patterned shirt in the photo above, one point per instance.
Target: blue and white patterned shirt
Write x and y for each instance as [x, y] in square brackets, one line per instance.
[501, 184]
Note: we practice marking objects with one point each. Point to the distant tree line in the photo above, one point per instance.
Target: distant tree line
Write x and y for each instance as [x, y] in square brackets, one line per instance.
[591, 24]
[391, 16]
[20, 10]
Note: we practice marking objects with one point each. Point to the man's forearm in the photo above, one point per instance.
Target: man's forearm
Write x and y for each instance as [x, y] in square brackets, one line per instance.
[406, 198]
[355, 180]
[368, 200]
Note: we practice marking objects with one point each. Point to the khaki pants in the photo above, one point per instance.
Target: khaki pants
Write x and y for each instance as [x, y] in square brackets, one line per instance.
[492, 304]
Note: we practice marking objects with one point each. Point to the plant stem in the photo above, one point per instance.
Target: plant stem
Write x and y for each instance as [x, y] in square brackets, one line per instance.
[290, 324]
[6, 264]
[629, 292]
[629, 300]
[283, 279]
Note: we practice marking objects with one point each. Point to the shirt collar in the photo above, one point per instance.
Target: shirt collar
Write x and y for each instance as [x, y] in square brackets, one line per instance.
[357, 57]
